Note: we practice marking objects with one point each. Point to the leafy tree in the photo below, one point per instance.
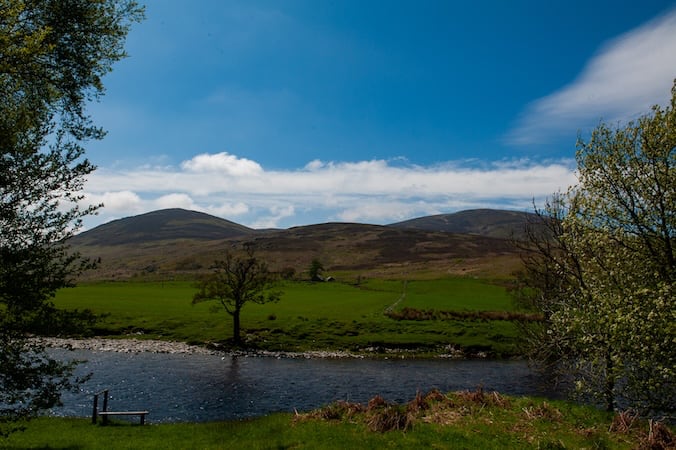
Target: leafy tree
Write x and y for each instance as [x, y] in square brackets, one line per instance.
[236, 281]
[316, 269]
[603, 273]
[53, 55]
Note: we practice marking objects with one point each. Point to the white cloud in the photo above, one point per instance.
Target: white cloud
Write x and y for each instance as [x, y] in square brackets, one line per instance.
[314, 165]
[118, 201]
[624, 79]
[276, 214]
[228, 209]
[222, 162]
[384, 210]
[175, 201]
[373, 191]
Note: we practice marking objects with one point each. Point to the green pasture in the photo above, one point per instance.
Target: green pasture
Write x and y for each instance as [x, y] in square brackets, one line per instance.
[457, 294]
[516, 423]
[335, 315]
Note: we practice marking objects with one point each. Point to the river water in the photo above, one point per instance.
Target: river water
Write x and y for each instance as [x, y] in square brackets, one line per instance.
[198, 387]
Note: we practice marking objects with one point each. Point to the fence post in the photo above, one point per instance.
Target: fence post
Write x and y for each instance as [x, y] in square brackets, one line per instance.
[105, 405]
[95, 410]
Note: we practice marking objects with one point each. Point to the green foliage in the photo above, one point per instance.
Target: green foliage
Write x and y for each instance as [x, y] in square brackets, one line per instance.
[30, 381]
[53, 54]
[315, 270]
[604, 274]
[236, 281]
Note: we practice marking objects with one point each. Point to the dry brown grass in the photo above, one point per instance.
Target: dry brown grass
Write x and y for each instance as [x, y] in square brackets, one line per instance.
[623, 421]
[657, 437]
[660, 437]
[434, 407]
[373, 251]
[532, 421]
[543, 411]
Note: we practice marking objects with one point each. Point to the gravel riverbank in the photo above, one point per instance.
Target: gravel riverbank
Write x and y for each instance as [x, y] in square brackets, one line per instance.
[156, 346]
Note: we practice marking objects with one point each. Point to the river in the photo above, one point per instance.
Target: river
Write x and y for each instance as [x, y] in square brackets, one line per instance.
[202, 387]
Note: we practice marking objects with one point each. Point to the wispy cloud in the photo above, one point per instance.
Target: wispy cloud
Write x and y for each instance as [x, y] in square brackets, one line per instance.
[375, 191]
[624, 79]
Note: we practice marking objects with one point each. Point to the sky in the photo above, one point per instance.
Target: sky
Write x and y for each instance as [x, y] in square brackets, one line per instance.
[295, 112]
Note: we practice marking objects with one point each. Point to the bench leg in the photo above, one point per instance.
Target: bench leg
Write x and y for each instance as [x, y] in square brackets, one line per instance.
[143, 419]
[96, 408]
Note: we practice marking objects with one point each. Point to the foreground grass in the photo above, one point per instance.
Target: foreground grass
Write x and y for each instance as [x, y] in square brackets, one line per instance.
[309, 316]
[466, 420]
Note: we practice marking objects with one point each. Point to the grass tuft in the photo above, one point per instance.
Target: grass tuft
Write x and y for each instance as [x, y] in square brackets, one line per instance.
[470, 419]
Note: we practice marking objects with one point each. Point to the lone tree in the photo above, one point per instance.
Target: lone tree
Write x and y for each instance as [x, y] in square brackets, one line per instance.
[53, 55]
[315, 270]
[602, 269]
[236, 281]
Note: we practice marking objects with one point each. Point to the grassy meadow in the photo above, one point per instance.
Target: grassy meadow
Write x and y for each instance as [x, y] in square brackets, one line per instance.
[464, 420]
[335, 315]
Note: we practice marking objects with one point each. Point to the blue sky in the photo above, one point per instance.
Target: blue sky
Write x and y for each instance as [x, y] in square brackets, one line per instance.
[284, 113]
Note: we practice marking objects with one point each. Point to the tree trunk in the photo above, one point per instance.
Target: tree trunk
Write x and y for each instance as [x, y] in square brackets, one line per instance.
[609, 388]
[236, 339]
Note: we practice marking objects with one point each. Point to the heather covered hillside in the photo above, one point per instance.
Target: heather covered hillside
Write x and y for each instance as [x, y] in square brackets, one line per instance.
[175, 241]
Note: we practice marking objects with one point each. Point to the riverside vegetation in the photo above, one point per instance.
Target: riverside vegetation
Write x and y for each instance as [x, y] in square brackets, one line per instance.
[451, 316]
[477, 420]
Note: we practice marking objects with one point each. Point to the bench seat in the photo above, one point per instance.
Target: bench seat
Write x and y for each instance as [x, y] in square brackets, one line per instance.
[141, 414]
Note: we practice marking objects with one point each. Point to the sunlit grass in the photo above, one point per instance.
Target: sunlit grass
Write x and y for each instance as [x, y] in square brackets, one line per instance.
[308, 316]
[471, 420]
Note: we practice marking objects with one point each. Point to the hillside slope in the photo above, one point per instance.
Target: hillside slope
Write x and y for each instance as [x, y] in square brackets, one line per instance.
[162, 225]
[175, 242]
[483, 222]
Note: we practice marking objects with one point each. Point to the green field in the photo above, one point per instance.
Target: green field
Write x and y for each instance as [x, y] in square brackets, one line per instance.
[337, 316]
[453, 421]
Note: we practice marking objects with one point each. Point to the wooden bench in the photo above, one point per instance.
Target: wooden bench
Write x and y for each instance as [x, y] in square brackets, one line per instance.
[104, 413]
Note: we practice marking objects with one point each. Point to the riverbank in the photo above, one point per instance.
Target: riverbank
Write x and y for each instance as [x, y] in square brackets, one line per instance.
[470, 419]
[134, 345]
[170, 347]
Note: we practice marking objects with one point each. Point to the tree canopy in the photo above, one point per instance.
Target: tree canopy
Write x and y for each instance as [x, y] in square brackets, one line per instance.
[603, 271]
[53, 55]
[236, 281]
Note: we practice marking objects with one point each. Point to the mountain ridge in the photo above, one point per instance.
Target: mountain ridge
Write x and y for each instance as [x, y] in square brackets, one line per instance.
[176, 242]
[504, 224]
[178, 223]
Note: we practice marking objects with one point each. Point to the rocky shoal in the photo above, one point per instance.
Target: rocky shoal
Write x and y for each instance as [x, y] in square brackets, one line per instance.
[156, 346]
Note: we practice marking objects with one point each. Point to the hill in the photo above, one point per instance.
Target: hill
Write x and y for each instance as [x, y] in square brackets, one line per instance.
[483, 222]
[162, 225]
[177, 242]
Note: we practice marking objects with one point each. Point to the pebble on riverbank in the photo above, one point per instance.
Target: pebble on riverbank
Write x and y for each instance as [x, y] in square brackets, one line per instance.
[156, 346]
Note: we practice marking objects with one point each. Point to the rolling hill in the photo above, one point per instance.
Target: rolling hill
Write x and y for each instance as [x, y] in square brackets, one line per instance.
[176, 242]
[162, 225]
[484, 222]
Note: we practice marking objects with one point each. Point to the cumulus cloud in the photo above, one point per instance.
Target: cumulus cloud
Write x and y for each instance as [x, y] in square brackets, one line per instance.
[175, 201]
[115, 202]
[224, 163]
[276, 213]
[624, 79]
[375, 191]
[228, 209]
[385, 210]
